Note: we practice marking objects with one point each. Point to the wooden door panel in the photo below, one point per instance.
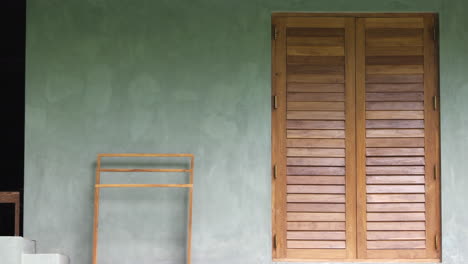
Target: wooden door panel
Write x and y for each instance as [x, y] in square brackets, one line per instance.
[396, 120]
[315, 94]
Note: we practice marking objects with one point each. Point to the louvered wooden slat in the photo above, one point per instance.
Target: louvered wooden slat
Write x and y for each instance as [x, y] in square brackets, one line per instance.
[317, 106]
[316, 87]
[316, 226]
[316, 207]
[399, 207]
[315, 179]
[315, 161]
[315, 198]
[315, 152]
[315, 134]
[316, 235]
[300, 124]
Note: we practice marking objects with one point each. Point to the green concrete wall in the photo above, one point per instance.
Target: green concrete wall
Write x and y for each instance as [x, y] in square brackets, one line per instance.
[186, 76]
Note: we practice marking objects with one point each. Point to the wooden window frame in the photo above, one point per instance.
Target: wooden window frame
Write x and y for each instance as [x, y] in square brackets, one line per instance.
[432, 142]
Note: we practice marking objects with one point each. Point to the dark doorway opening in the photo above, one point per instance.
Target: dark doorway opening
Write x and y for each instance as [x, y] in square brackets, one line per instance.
[12, 78]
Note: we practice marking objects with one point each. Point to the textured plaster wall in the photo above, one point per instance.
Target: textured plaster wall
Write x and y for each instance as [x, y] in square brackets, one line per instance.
[186, 76]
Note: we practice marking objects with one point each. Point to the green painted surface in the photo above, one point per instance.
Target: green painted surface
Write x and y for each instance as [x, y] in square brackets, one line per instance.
[186, 76]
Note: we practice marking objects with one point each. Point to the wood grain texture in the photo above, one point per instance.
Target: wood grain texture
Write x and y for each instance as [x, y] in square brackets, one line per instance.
[396, 226]
[394, 152]
[316, 226]
[395, 198]
[315, 97]
[402, 179]
[316, 244]
[394, 142]
[315, 50]
[396, 244]
[316, 189]
[296, 124]
[394, 161]
[394, 69]
[395, 114]
[394, 78]
[293, 217]
[316, 60]
[394, 170]
[395, 124]
[316, 180]
[395, 33]
[402, 207]
[395, 60]
[315, 115]
[316, 207]
[406, 217]
[394, 133]
[315, 161]
[395, 88]
[315, 152]
[321, 24]
[387, 41]
[400, 23]
[317, 106]
[278, 144]
[315, 32]
[315, 170]
[333, 235]
[395, 106]
[316, 69]
[316, 143]
[350, 80]
[396, 235]
[315, 133]
[394, 97]
[316, 87]
[316, 41]
[361, 212]
[394, 51]
[433, 203]
[395, 189]
[316, 78]
[315, 198]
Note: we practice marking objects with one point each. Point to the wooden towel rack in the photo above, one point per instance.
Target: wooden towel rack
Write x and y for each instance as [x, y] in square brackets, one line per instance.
[98, 187]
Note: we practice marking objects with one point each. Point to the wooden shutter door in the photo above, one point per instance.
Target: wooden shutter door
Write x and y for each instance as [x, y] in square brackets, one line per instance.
[313, 131]
[397, 139]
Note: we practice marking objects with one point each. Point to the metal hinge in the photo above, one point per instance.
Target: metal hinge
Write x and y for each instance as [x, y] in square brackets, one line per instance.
[435, 102]
[275, 241]
[436, 240]
[274, 32]
[275, 102]
[275, 171]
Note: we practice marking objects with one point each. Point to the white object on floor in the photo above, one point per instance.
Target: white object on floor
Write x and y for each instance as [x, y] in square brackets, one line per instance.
[45, 259]
[12, 249]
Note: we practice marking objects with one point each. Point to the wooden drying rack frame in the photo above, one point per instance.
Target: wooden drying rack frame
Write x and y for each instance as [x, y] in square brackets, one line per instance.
[98, 187]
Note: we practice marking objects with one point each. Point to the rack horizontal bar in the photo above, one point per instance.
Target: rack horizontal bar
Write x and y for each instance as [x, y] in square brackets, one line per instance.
[145, 170]
[142, 155]
[143, 185]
